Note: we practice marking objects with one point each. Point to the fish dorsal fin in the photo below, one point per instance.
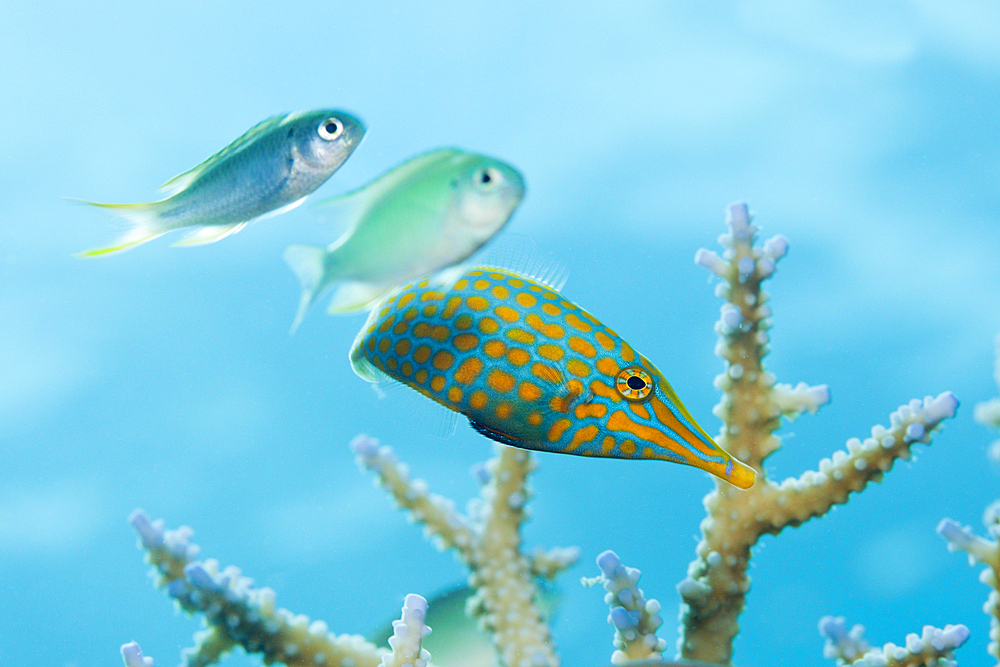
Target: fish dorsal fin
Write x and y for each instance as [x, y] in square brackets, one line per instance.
[392, 179]
[518, 253]
[183, 180]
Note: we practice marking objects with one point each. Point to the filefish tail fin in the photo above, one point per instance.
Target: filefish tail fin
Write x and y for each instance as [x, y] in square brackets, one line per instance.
[308, 264]
[145, 225]
[203, 235]
[354, 296]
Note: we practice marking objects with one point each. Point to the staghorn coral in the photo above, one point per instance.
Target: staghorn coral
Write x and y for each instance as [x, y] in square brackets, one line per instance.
[986, 552]
[487, 537]
[932, 648]
[979, 549]
[935, 646]
[488, 541]
[236, 613]
[634, 618]
[714, 591]
[988, 412]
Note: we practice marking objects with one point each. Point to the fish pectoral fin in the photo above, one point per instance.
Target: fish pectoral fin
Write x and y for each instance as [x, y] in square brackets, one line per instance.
[355, 295]
[308, 263]
[209, 234]
[496, 434]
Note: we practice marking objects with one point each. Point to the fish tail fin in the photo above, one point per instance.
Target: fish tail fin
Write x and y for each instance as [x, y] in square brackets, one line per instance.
[145, 225]
[308, 264]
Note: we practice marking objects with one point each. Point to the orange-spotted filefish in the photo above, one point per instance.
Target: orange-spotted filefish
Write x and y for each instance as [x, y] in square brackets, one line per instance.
[531, 369]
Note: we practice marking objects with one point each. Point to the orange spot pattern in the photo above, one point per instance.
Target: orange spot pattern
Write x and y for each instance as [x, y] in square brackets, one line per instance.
[478, 400]
[500, 381]
[465, 342]
[494, 348]
[607, 366]
[582, 435]
[528, 391]
[468, 370]
[549, 351]
[518, 357]
[451, 306]
[443, 360]
[557, 429]
[580, 345]
[520, 336]
[507, 314]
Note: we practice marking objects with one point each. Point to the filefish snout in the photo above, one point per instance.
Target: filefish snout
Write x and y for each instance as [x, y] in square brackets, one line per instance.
[531, 369]
[662, 425]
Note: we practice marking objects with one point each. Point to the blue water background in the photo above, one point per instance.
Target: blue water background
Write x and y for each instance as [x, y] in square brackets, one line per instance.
[166, 379]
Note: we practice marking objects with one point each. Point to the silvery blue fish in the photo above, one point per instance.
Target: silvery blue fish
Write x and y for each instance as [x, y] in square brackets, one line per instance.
[427, 214]
[271, 168]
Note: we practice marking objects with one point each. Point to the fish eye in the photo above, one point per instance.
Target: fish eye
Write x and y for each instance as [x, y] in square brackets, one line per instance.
[634, 384]
[487, 179]
[330, 129]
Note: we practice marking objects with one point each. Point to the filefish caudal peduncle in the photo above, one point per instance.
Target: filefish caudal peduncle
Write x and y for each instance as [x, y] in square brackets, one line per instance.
[533, 370]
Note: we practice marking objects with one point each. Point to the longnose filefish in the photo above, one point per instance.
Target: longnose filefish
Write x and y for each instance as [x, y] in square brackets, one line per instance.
[426, 214]
[271, 168]
[531, 369]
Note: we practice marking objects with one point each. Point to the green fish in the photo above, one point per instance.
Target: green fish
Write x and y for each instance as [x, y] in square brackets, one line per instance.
[270, 169]
[456, 639]
[427, 214]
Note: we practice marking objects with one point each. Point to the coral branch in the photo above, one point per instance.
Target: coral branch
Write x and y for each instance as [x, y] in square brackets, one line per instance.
[634, 618]
[986, 552]
[933, 647]
[407, 634]
[842, 645]
[437, 513]
[133, 657]
[238, 614]
[489, 543]
[988, 412]
[751, 407]
[547, 564]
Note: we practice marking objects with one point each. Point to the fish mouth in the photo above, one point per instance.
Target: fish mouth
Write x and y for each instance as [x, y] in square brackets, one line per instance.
[676, 441]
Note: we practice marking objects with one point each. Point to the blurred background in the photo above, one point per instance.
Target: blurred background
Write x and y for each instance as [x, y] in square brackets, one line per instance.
[165, 378]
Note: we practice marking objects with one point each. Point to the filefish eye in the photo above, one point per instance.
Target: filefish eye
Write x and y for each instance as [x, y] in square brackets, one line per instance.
[330, 129]
[487, 179]
[634, 384]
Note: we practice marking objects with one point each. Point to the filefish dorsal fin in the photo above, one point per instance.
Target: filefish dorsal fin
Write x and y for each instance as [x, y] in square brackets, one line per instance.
[183, 180]
[519, 254]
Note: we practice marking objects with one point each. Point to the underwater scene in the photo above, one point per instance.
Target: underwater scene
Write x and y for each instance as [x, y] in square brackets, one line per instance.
[519, 334]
